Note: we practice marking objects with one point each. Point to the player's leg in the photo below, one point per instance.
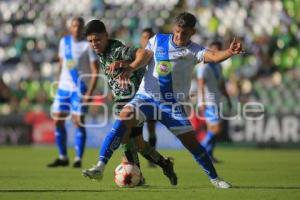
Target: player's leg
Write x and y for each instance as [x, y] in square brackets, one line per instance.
[130, 149]
[78, 112]
[152, 155]
[120, 133]
[177, 122]
[213, 129]
[80, 139]
[190, 142]
[60, 111]
[61, 140]
[152, 139]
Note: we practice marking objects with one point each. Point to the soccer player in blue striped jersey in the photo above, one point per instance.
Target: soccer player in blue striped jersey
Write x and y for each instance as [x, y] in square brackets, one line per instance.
[165, 87]
[76, 58]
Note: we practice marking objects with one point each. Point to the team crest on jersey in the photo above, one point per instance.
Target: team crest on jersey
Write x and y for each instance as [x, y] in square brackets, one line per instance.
[71, 64]
[164, 68]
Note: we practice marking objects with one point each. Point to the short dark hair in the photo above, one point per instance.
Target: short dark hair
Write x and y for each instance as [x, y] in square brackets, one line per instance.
[79, 19]
[148, 30]
[216, 43]
[185, 19]
[94, 26]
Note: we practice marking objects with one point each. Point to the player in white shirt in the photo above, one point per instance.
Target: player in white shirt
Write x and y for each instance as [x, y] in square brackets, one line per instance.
[164, 88]
[76, 58]
[211, 88]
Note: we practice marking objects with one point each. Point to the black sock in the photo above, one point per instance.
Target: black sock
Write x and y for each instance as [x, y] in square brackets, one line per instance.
[131, 155]
[152, 141]
[153, 156]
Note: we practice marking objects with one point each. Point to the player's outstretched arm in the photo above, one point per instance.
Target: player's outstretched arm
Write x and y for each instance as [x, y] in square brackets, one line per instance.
[142, 58]
[219, 56]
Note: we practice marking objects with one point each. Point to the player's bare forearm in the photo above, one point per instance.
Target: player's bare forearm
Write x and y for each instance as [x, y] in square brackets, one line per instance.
[142, 58]
[93, 80]
[219, 56]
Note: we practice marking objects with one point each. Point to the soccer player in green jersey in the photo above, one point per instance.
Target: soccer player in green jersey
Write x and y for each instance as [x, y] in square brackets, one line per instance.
[113, 54]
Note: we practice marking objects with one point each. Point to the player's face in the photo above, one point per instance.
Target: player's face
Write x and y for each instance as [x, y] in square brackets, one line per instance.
[182, 35]
[76, 29]
[144, 39]
[98, 41]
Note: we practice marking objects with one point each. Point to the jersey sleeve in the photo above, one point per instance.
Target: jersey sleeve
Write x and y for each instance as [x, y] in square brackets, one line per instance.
[151, 43]
[199, 53]
[126, 53]
[61, 52]
[92, 55]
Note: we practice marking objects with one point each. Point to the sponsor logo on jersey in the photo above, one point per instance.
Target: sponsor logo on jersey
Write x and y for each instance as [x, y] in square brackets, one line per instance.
[164, 68]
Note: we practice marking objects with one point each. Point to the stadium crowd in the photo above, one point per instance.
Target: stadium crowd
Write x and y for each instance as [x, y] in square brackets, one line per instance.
[30, 33]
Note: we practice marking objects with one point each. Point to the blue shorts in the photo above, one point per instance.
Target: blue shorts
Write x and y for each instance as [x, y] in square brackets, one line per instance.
[68, 101]
[173, 116]
[211, 115]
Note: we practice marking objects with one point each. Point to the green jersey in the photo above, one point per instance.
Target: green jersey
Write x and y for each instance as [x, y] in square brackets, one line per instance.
[117, 51]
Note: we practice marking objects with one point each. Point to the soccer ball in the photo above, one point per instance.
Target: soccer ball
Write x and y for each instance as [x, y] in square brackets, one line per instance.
[127, 175]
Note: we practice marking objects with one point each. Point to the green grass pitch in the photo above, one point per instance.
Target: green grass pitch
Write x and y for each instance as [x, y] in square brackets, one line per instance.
[256, 174]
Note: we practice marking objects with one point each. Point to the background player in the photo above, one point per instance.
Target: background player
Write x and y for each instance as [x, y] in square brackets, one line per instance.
[211, 86]
[75, 58]
[166, 83]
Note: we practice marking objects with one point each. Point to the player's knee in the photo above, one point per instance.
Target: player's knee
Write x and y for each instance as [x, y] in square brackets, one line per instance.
[127, 113]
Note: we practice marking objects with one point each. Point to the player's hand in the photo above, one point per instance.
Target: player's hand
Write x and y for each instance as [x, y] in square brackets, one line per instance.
[235, 47]
[124, 77]
[117, 65]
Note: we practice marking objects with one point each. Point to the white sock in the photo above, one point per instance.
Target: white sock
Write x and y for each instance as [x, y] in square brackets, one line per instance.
[62, 157]
[77, 159]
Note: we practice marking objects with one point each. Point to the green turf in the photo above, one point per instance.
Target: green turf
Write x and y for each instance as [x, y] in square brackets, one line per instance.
[256, 174]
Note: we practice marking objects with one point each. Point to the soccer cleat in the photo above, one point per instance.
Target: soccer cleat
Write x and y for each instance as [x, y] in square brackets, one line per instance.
[94, 173]
[219, 183]
[169, 171]
[151, 165]
[77, 164]
[59, 163]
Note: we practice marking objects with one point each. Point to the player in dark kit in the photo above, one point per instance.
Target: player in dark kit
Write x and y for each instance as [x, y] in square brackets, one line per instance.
[113, 54]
